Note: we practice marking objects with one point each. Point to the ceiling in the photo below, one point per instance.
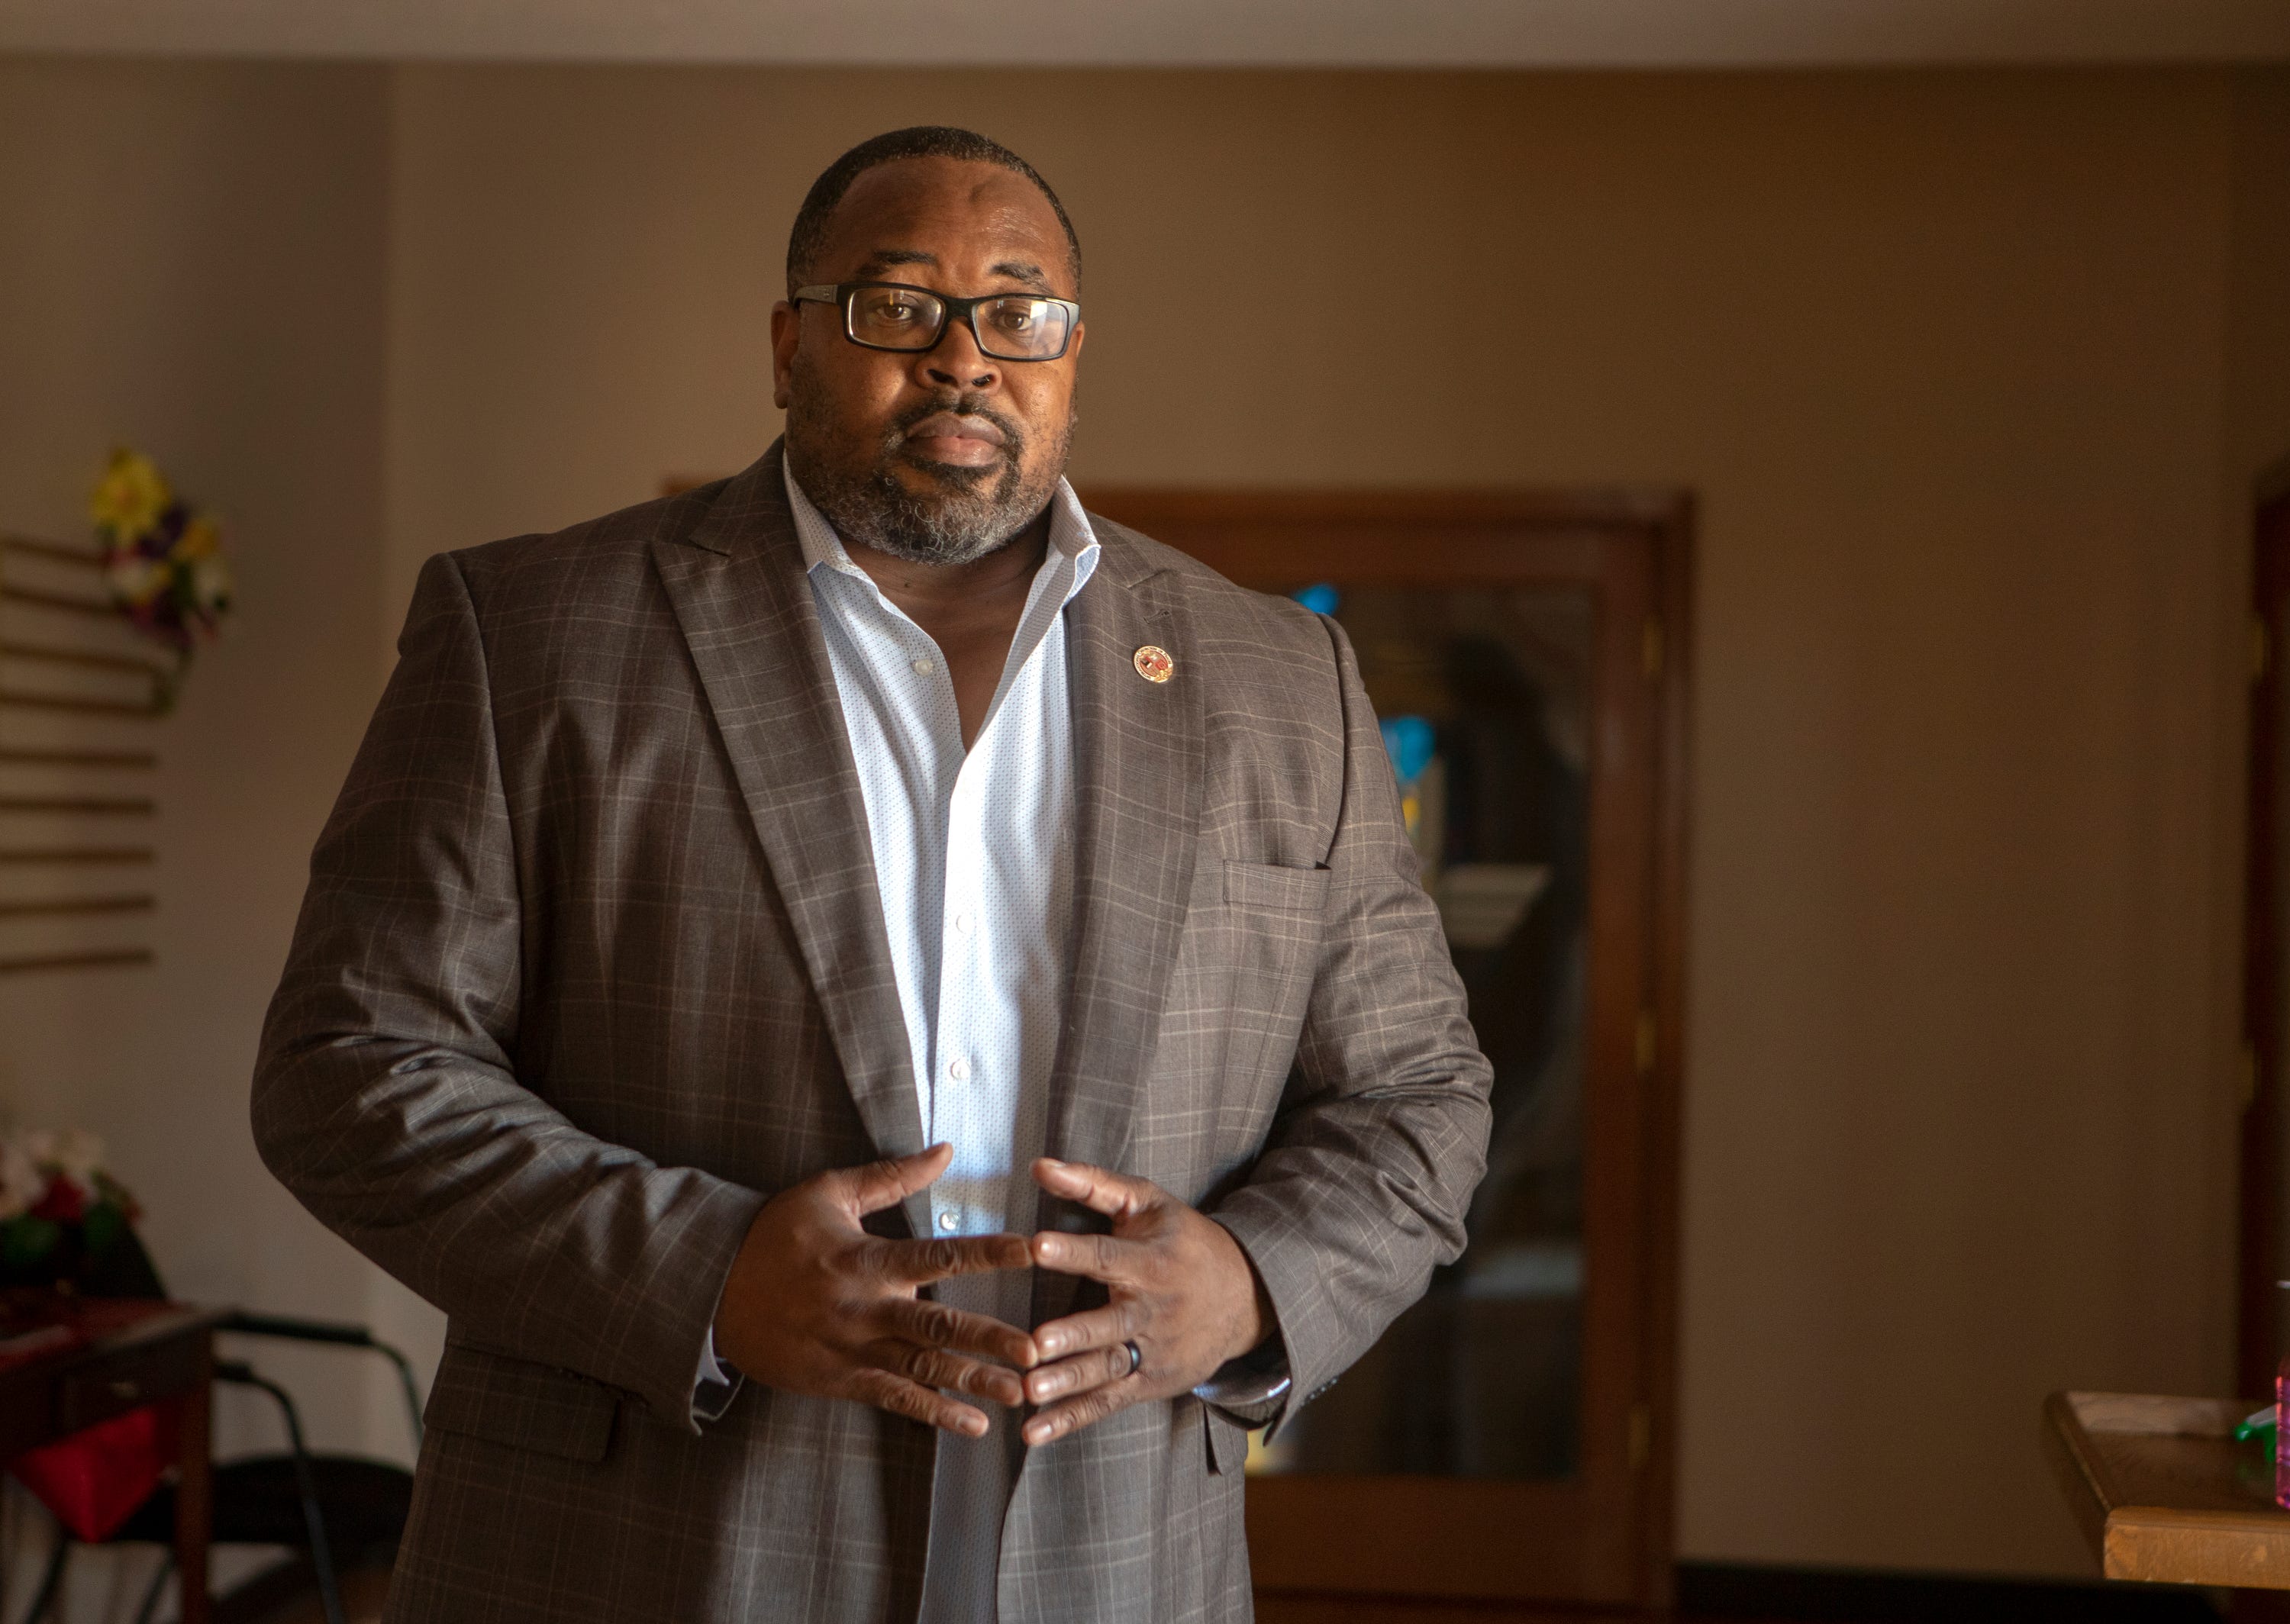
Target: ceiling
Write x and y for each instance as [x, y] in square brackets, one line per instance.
[1396, 32]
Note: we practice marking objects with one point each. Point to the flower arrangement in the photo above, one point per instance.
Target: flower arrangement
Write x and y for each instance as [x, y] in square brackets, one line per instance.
[163, 559]
[65, 1221]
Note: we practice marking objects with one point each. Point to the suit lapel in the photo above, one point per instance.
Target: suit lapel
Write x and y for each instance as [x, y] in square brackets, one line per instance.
[736, 584]
[1137, 756]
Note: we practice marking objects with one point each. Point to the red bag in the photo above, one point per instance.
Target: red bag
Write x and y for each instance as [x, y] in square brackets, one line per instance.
[94, 1479]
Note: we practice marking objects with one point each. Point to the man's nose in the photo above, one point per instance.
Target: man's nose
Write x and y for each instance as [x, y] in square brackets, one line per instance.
[956, 363]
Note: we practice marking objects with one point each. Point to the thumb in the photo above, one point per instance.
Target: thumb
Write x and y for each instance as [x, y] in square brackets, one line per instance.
[876, 1185]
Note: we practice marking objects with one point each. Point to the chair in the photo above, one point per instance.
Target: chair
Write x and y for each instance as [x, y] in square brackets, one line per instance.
[319, 1505]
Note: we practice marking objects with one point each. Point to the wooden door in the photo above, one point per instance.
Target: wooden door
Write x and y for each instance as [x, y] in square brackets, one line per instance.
[1512, 1435]
[2263, 1309]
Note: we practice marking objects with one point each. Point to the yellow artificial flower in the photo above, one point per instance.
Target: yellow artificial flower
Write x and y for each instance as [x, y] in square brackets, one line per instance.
[199, 540]
[130, 497]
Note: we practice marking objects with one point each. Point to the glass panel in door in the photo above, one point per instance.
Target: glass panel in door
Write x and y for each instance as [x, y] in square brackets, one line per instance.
[1485, 697]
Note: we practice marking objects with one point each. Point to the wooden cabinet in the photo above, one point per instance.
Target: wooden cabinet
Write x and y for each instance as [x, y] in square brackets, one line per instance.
[1511, 1434]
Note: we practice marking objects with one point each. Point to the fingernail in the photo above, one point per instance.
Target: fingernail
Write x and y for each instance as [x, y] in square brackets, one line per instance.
[1050, 1160]
[1052, 1344]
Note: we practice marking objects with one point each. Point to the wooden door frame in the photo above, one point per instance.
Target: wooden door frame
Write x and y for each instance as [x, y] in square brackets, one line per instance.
[2260, 1202]
[1245, 535]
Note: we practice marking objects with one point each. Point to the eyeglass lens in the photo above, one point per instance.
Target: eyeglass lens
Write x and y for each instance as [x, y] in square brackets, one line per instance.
[1014, 327]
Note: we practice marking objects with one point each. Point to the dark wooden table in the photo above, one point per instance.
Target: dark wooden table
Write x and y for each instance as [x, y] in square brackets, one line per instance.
[165, 1352]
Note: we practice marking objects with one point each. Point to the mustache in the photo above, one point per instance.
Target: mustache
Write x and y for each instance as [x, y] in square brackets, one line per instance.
[1013, 433]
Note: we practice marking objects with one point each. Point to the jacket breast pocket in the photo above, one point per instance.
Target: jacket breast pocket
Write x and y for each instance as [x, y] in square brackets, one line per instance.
[481, 1393]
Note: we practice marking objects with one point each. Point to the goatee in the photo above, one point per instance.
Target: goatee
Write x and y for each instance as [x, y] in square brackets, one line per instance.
[961, 514]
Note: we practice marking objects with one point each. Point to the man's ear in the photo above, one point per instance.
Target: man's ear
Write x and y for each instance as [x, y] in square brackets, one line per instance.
[787, 331]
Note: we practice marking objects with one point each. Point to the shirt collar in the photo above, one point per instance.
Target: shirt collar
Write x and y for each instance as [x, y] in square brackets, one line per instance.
[1071, 538]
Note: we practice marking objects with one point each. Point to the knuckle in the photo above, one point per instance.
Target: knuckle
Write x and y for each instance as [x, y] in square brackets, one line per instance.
[912, 1402]
[937, 1324]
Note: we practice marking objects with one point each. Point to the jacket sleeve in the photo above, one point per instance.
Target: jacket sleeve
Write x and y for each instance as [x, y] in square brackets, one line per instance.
[386, 1093]
[1364, 1179]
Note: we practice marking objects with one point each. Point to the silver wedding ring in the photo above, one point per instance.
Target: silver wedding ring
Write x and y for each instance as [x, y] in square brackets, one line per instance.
[1136, 1356]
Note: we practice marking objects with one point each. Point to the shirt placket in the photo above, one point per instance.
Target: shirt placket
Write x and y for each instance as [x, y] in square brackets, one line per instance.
[962, 1053]
[971, 1053]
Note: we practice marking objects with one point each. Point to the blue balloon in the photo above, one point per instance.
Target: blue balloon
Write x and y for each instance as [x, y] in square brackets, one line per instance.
[1409, 742]
[1320, 597]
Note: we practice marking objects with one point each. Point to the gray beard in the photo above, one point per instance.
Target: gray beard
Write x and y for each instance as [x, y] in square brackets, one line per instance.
[973, 511]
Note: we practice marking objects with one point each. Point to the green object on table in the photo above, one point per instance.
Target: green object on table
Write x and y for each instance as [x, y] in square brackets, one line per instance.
[2258, 1424]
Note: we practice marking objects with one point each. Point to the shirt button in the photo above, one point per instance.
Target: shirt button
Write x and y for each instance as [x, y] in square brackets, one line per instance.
[947, 1221]
[959, 1071]
[964, 924]
[923, 667]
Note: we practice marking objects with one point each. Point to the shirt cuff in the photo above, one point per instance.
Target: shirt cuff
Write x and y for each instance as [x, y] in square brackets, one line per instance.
[1251, 1388]
[712, 1394]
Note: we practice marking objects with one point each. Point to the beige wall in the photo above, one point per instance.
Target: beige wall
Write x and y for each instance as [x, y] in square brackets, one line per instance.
[1971, 372]
[1942, 355]
[191, 262]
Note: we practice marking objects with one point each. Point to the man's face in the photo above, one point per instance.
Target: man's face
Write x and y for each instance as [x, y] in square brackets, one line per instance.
[938, 456]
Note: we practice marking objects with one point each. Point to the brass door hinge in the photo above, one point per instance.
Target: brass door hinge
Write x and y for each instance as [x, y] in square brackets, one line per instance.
[1641, 1434]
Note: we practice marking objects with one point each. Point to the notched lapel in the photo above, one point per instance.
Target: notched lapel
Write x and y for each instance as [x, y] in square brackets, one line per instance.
[737, 588]
[1138, 751]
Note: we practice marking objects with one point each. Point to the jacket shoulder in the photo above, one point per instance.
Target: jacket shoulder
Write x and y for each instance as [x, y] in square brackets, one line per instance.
[1220, 611]
[596, 559]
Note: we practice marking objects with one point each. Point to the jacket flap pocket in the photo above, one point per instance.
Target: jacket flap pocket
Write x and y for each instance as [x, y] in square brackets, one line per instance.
[1303, 890]
[505, 1400]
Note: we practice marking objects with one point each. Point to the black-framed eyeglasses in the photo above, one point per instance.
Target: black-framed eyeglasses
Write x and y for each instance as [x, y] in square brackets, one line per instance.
[896, 316]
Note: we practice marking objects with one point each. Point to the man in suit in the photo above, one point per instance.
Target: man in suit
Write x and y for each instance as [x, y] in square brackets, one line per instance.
[895, 1017]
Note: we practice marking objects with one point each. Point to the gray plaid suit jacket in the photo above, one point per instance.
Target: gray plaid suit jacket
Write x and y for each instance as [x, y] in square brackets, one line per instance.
[591, 962]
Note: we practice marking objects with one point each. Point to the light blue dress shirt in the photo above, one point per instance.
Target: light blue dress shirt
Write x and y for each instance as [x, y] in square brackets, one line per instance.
[975, 863]
[973, 857]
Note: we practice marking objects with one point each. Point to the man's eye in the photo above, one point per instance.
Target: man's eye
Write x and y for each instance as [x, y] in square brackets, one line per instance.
[1014, 318]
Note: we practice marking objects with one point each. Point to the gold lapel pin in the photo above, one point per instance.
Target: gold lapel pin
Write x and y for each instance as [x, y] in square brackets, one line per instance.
[1154, 664]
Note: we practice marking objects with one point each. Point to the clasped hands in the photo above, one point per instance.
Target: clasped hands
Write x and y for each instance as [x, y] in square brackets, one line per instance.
[815, 1304]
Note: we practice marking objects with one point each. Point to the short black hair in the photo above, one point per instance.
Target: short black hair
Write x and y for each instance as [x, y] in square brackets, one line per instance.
[809, 234]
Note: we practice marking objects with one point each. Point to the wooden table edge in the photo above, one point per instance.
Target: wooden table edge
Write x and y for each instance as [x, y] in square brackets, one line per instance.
[2081, 1473]
[2163, 1545]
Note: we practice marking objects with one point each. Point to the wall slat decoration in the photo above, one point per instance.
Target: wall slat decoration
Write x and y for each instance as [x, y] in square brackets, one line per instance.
[77, 690]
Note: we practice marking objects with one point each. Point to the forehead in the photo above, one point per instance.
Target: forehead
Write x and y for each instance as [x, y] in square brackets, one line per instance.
[964, 215]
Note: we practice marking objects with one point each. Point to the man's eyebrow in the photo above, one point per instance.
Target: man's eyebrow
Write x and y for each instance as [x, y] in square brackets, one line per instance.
[1021, 270]
[884, 259]
[890, 258]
